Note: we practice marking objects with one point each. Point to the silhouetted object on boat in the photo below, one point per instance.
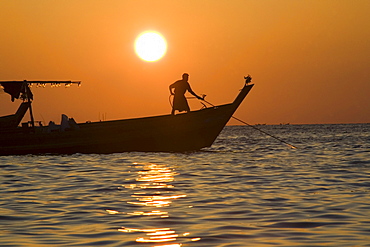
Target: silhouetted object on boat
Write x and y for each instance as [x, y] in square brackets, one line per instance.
[17, 90]
[178, 89]
[179, 133]
[248, 79]
[12, 121]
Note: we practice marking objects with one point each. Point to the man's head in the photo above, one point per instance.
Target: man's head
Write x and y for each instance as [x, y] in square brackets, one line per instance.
[185, 76]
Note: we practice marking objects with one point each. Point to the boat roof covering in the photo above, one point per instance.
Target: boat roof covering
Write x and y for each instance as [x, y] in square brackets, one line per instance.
[15, 88]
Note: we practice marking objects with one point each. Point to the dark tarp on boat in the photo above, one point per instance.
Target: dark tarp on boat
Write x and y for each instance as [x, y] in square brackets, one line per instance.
[15, 89]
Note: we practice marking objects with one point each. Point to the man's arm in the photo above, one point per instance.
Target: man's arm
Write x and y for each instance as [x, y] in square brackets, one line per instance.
[192, 92]
[170, 87]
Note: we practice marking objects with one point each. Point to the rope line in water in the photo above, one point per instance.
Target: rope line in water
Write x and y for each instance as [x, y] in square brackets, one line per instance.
[286, 143]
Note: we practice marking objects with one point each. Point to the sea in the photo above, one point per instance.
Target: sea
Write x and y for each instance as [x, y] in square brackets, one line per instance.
[247, 189]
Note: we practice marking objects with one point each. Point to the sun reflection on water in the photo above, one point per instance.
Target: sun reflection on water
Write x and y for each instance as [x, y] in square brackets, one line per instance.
[152, 189]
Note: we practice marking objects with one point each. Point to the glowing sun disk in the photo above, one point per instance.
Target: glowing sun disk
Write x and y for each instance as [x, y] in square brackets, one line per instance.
[150, 46]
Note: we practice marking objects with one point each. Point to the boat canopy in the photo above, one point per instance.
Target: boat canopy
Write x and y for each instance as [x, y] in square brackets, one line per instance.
[18, 89]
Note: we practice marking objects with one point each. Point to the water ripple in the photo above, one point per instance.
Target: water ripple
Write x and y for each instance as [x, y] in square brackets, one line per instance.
[246, 190]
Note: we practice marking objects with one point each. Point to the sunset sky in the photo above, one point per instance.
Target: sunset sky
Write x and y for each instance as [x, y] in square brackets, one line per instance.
[310, 60]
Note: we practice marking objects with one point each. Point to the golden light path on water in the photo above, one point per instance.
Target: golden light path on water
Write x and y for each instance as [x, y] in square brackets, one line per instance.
[152, 188]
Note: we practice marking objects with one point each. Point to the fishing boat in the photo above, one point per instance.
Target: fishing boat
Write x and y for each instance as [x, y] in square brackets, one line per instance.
[165, 133]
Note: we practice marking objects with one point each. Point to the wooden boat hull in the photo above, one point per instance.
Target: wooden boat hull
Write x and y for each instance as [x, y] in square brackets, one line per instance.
[168, 133]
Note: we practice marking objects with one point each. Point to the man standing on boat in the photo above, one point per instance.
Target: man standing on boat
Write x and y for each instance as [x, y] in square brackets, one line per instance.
[179, 100]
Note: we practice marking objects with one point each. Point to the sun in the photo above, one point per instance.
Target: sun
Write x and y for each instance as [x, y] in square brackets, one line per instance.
[150, 46]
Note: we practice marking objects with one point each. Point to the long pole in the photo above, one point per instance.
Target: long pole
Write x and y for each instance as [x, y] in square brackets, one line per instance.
[31, 115]
[289, 145]
[28, 95]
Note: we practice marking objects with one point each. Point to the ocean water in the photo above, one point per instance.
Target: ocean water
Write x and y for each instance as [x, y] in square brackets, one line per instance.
[248, 189]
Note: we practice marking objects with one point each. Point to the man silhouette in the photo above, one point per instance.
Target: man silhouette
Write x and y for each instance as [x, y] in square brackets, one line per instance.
[178, 89]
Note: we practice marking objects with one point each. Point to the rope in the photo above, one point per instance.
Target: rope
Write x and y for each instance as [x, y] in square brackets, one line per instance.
[169, 99]
[171, 95]
[286, 143]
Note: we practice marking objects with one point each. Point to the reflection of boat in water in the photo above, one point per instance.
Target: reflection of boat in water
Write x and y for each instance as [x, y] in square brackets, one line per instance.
[178, 133]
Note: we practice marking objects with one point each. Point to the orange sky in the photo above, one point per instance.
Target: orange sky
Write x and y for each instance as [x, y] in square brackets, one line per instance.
[309, 59]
